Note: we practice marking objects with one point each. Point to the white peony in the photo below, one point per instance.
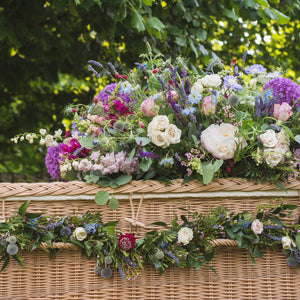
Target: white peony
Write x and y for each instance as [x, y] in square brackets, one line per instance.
[79, 234]
[273, 157]
[159, 138]
[173, 134]
[185, 235]
[222, 140]
[159, 122]
[211, 81]
[257, 226]
[197, 87]
[269, 138]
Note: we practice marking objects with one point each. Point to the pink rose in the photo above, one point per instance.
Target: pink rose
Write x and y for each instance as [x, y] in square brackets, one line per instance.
[149, 108]
[282, 111]
[208, 107]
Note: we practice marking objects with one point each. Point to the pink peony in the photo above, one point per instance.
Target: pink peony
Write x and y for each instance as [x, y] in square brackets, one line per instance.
[149, 108]
[282, 111]
[208, 107]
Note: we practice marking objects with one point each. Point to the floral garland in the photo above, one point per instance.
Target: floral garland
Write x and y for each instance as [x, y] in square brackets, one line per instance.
[183, 244]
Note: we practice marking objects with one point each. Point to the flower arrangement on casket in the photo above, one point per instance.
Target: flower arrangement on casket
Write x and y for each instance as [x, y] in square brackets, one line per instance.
[165, 121]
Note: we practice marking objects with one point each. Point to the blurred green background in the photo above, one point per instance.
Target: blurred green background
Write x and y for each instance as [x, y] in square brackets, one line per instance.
[45, 46]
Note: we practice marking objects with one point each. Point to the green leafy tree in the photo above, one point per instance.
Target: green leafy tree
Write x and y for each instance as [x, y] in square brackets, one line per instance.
[45, 46]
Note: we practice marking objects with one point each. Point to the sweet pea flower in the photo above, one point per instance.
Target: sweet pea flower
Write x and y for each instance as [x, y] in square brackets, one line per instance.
[282, 111]
[208, 106]
[149, 108]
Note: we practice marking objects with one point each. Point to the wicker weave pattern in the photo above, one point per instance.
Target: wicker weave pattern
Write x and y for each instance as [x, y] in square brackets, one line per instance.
[70, 275]
[150, 186]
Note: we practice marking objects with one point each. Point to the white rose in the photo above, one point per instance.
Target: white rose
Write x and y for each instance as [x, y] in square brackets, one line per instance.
[257, 227]
[159, 122]
[211, 80]
[173, 134]
[283, 137]
[287, 243]
[185, 235]
[197, 87]
[273, 157]
[159, 139]
[269, 138]
[80, 234]
[221, 140]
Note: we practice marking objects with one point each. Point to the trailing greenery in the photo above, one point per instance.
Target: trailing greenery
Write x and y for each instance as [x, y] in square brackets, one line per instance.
[185, 242]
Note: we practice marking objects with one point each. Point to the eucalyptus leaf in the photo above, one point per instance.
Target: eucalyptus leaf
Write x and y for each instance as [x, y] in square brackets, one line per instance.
[297, 138]
[145, 164]
[123, 179]
[130, 157]
[208, 172]
[113, 203]
[102, 197]
[142, 140]
[86, 142]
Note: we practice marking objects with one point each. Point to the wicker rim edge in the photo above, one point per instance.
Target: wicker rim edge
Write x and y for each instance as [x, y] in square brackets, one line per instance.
[149, 186]
[70, 246]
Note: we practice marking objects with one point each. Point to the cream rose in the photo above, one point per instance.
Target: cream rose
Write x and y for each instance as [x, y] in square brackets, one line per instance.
[80, 234]
[173, 134]
[257, 226]
[160, 122]
[273, 157]
[211, 80]
[197, 87]
[221, 140]
[287, 243]
[283, 137]
[268, 138]
[159, 138]
[185, 235]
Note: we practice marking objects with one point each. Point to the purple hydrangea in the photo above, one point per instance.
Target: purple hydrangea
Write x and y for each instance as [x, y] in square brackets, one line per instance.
[255, 69]
[231, 81]
[52, 161]
[284, 89]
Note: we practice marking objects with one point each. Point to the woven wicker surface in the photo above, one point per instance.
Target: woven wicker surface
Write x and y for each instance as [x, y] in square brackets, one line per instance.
[70, 275]
[150, 186]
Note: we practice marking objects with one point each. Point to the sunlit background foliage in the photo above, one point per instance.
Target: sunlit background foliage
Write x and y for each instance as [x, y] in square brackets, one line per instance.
[45, 46]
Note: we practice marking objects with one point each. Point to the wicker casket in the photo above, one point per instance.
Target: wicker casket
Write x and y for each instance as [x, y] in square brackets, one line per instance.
[71, 275]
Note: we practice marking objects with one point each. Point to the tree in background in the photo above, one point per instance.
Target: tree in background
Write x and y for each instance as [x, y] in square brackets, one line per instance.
[45, 46]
